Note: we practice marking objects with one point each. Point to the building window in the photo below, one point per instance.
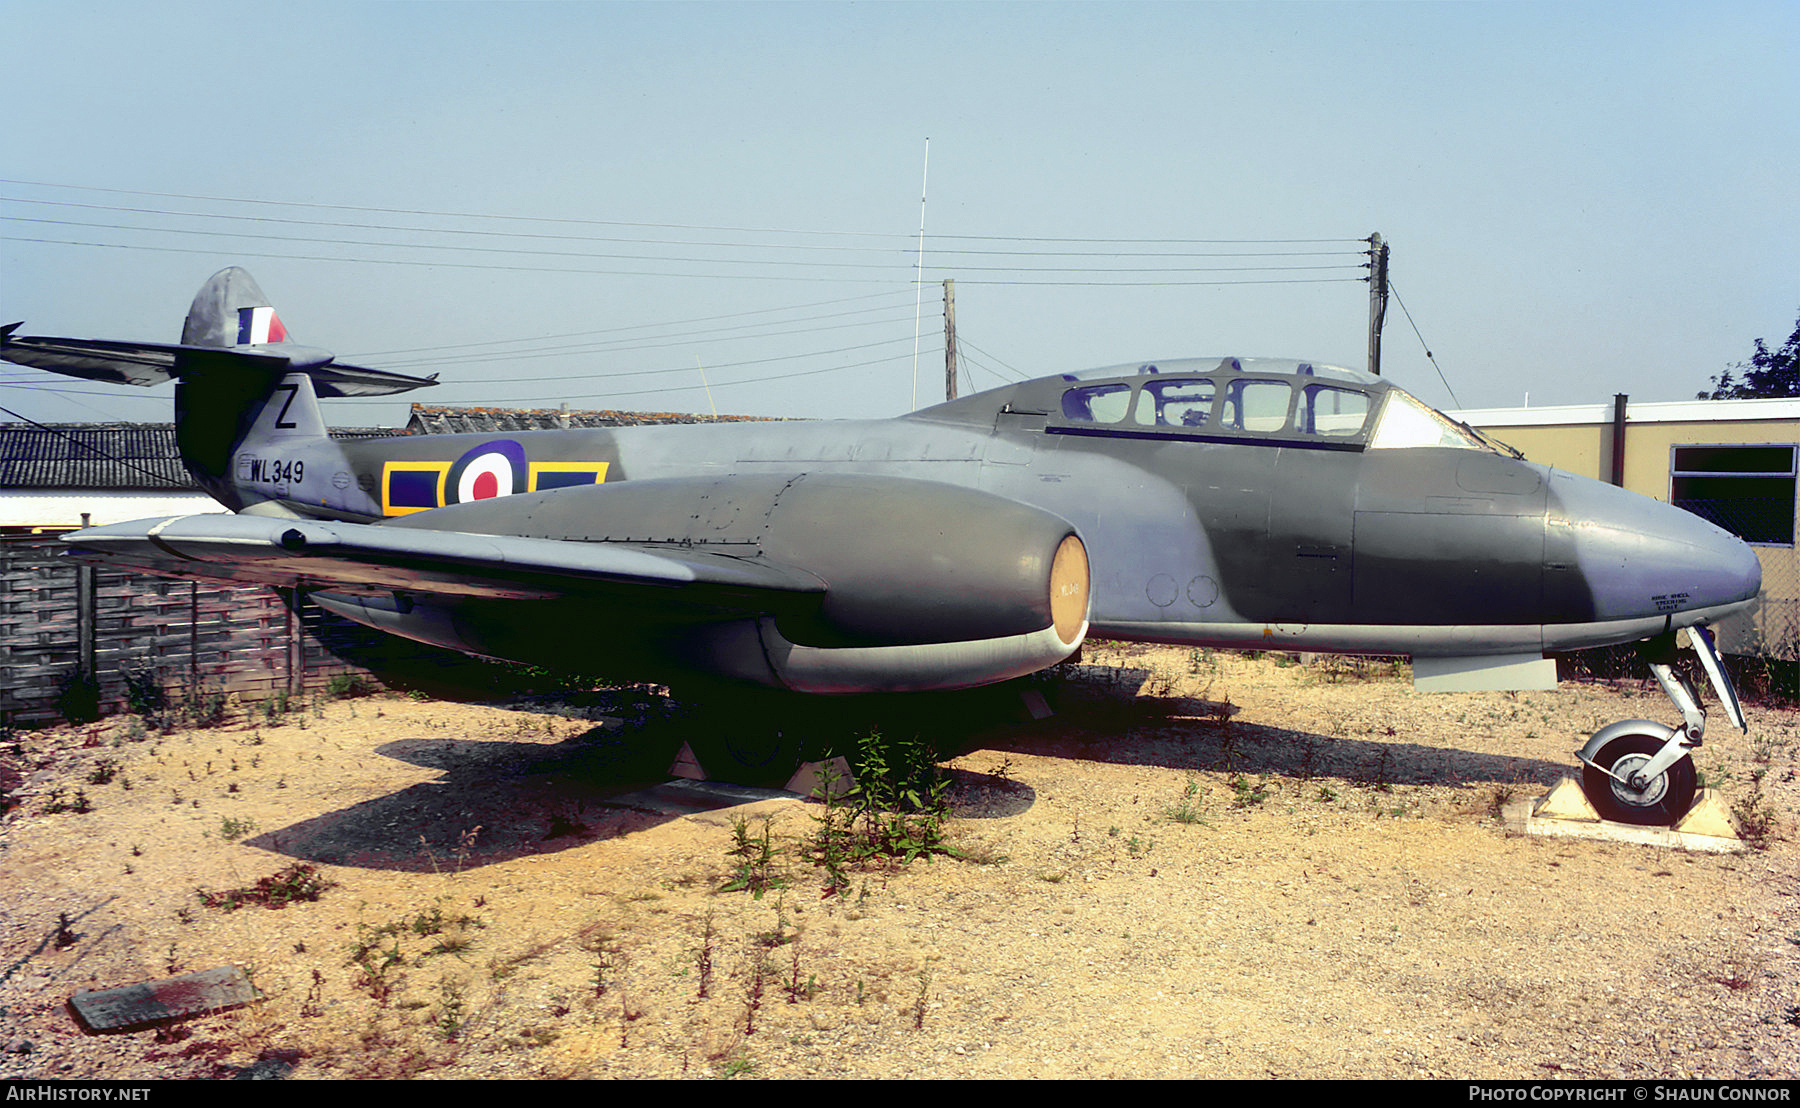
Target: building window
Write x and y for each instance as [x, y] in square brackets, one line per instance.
[1748, 490]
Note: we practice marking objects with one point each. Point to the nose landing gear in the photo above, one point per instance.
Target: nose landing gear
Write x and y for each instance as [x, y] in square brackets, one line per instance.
[1639, 771]
[1617, 781]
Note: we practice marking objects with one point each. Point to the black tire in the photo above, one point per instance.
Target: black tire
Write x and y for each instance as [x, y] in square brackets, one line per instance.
[740, 735]
[1662, 801]
[765, 756]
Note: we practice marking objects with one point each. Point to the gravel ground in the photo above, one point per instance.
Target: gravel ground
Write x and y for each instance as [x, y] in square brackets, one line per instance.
[1204, 865]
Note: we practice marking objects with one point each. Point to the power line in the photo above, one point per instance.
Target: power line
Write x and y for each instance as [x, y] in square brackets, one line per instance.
[1162, 284]
[567, 237]
[85, 446]
[683, 260]
[906, 238]
[536, 253]
[594, 349]
[647, 326]
[687, 388]
[437, 264]
[585, 376]
[447, 215]
[1422, 345]
[963, 342]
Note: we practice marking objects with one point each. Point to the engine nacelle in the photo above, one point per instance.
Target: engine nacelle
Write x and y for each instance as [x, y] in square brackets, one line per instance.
[925, 585]
[928, 586]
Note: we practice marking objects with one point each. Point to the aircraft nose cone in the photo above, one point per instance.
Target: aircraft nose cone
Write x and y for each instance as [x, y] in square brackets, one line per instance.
[1640, 557]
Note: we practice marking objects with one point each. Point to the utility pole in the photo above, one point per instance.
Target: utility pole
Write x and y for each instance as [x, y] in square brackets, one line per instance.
[1378, 297]
[949, 340]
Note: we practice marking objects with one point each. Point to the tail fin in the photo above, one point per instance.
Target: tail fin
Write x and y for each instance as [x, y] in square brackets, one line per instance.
[243, 389]
[228, 407]
[230, 310]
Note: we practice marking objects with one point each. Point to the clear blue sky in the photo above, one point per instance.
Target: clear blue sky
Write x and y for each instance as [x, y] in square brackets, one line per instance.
[1582, 198]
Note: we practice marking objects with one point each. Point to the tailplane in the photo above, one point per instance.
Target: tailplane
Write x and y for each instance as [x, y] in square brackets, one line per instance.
[246, 395]
[231, 327]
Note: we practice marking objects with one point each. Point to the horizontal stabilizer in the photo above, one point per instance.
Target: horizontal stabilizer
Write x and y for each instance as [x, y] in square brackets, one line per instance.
[363, 557]
[150, 363]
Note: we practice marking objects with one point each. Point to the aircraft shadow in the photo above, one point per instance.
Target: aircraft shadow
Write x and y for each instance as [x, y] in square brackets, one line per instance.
[1104, 721]
[494, 801]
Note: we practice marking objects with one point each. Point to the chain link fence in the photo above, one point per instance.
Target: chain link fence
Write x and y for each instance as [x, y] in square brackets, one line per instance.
[1772, 628]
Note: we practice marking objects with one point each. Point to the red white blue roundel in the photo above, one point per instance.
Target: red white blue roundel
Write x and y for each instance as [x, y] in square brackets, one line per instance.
[489, 470]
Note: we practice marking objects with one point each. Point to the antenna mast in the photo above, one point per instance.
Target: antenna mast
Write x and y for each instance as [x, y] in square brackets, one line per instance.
[919, 273]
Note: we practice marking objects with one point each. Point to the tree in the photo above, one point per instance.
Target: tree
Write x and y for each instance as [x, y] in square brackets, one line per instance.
[1769, 373]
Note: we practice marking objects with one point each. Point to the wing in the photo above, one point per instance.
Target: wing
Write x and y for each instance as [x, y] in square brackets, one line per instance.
[368, 559]
[815, 582]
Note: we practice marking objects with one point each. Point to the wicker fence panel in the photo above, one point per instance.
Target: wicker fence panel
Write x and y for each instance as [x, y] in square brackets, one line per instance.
[191, 636]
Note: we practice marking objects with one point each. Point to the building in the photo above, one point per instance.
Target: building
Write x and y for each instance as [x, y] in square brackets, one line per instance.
[1731, 461]
[53, 477]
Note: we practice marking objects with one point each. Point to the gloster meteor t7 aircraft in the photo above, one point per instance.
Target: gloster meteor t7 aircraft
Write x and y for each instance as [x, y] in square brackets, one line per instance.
[1225, 502]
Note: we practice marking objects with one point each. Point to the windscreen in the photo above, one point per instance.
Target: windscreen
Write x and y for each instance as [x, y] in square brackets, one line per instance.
[1406, 422]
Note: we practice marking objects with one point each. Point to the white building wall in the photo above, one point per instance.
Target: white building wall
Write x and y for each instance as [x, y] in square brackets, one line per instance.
[63, 507]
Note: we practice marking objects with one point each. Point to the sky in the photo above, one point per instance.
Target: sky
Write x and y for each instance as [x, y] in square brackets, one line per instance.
[693, 207]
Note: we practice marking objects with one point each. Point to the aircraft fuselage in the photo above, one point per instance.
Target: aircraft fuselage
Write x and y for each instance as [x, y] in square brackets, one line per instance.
[1282, 531]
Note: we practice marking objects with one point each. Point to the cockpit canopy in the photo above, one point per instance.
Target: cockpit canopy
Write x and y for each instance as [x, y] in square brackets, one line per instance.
[1253, 400]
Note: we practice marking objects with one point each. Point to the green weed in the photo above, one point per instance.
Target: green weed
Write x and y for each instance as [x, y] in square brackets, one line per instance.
[894, 812]
[344, 686]
[1246, 794]
[55, 803]
[1190, 808]
[232, 828]
[298, 882]
[755, 854]
[1755, 818]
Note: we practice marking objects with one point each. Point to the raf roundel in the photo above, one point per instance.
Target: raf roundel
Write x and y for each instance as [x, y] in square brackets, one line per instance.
[489, 470]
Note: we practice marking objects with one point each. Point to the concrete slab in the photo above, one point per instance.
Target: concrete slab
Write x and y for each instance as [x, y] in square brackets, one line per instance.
[1706, 828]
[684, 798]
[129, 1007]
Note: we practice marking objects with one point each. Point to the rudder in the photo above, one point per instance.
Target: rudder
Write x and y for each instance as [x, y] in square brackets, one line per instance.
[231, 309]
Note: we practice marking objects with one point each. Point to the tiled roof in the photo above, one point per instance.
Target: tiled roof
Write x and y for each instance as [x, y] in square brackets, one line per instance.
[91, 456]
[430, 420]
[102, 456]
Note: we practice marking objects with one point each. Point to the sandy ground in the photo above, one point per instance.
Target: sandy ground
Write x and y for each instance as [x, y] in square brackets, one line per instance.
[1202, 866]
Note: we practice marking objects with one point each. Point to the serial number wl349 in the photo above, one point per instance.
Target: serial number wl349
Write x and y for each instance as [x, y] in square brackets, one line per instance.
[270, 471]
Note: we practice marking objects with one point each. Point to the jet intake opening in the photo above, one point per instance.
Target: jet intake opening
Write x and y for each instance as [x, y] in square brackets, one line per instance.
[1069, 589]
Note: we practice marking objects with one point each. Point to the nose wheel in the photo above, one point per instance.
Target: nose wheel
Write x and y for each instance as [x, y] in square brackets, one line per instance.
[1639, 771]
[1617, 785]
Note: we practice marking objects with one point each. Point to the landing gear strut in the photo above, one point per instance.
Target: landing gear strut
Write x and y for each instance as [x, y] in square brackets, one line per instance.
[1639, 770]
